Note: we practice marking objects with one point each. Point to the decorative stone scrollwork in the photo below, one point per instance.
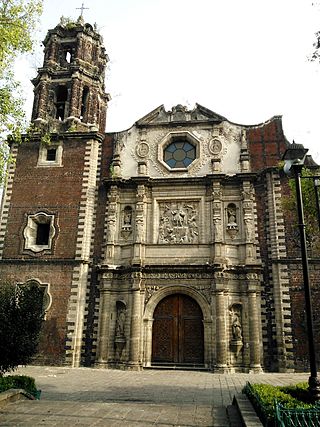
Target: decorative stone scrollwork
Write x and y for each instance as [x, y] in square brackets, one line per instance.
[178, 223]
[150, 290]
[232, 225]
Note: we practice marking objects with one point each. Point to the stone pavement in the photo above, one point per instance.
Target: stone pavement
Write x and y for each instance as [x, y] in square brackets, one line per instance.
[98, 397]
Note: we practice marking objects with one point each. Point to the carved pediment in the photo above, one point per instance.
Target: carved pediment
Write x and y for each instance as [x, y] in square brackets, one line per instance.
[180, 114]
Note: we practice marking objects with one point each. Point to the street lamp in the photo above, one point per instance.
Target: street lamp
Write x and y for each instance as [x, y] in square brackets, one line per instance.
[294, 158]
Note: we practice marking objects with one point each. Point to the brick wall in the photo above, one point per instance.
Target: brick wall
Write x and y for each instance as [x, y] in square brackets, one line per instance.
[266, 144]
[54, 189]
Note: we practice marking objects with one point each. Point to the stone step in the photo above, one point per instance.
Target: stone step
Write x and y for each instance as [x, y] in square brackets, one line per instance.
[247, 412]
[234, 416]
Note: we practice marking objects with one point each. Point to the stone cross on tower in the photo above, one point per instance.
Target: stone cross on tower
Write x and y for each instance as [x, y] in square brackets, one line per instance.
[82, 8]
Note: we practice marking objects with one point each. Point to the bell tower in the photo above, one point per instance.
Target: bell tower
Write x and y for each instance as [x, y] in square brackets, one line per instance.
[69, 88]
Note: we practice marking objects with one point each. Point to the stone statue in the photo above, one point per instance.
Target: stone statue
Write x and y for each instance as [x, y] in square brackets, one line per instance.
[120, 322]
[236, 328]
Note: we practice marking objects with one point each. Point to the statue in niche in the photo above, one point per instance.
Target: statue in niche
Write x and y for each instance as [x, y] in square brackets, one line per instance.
[127, 218]
[232, 226]
[236, 328]
[121, 318]
[120, 338]
[126, 228]
[236, 342]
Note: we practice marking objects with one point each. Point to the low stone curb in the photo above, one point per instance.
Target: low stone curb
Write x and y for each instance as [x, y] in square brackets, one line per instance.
[14, 394]
[247, 412]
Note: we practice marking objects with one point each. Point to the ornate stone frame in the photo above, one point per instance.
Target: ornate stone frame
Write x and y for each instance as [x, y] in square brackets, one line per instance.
[42, 159]
[47, 295]
[148, 320]
[168, 139]
[30, 231]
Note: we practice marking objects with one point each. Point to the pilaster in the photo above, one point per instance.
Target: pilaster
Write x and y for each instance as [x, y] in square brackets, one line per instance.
[140, 230]
[135, 336]
[104, 320]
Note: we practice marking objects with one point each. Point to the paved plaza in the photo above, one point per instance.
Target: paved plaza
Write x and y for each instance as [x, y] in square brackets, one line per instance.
[97, 397]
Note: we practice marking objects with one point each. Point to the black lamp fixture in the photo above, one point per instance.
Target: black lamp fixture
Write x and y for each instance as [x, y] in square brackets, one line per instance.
[294, 158]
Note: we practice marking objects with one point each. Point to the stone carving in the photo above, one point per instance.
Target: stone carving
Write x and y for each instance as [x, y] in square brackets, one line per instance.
[236, 328]
[126, 228]
[178, 223]
[217, 228]
[204, 290]
[179, 113]
[179, 276]
[215, 147]
[112, 214]
[111, 229]
[249, 228]
[142, 150]
[236, 342]
[232, 226]
[120, 338]
[150, 290]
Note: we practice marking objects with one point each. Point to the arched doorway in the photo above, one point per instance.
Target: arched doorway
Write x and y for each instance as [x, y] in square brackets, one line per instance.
[177, 333]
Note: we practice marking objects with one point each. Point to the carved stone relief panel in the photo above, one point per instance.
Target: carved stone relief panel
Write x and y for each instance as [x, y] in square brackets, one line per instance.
[248, 216]
[112, 214]
[178, 222]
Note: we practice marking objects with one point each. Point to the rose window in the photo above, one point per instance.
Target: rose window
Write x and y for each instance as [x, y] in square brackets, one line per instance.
[179, 154]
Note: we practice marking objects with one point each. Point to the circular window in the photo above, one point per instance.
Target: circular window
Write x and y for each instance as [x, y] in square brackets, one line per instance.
[179, 154]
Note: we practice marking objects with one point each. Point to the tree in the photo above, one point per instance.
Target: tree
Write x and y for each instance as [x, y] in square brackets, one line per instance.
[310, 211]
[18, 20]
[21, 316]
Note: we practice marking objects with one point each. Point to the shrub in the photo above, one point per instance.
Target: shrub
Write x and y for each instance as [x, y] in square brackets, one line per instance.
[21, 315]
[18, 381]
[263, 397]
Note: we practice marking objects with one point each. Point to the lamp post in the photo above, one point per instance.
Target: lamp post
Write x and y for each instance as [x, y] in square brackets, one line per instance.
[294, 158]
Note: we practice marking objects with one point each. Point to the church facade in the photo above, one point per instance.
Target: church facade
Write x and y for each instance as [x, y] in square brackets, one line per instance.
[162, 245]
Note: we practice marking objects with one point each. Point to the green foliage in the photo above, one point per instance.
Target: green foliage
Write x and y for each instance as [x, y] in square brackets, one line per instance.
[67, 22]
[18, 20]
[21, 316]
[18, 381]
[264, 396]
[289, 204]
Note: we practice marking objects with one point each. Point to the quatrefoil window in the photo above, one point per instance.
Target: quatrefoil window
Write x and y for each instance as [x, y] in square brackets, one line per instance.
[179, 154]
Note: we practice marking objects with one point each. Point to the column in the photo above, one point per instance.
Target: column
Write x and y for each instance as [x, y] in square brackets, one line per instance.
[254, 330]
[104, 325]
[221, 338]
[134, 351]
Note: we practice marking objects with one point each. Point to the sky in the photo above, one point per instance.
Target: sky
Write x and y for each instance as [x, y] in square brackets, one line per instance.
[246, 60]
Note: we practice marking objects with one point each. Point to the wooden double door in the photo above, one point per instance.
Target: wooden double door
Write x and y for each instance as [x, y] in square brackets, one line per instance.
[177, 333]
